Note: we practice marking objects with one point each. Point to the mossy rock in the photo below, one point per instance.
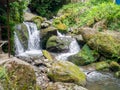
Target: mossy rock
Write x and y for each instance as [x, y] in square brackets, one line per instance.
[37, 20]
[114, 66]
[106, 43]
[64, 71]
[84, 57]
[46, 34]
[87, 33]
[59, 25]
[47, 55]
[18, 76]
[102, 65]
[57, 44]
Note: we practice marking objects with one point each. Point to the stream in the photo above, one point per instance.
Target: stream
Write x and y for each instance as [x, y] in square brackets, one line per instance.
[95, 80]
[102, 81]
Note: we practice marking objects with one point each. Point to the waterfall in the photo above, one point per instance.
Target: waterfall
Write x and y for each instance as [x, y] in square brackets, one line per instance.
[18, 45]
[33, 41]
[74, 48]
[34, 36]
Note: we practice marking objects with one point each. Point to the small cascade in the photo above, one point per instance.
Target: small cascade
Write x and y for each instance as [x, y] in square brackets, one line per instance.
[33, 41]
[18, 45]
[74, 48]
[34, 36]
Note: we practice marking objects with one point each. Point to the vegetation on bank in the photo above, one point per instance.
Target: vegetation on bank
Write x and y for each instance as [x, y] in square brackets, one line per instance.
[90, 13]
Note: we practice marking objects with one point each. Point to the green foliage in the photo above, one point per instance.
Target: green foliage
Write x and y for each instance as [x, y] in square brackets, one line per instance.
[84, 57]
[46, 8]
[87, 14]
[16, 16]
[17, 10]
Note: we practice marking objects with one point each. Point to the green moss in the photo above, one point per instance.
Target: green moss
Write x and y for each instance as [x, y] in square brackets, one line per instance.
[56, 44]
[101, 65]
[46, 34]
[18, 77]
[47, 55]
[37, 20]
[105, 43]
[114, 66]
[117, 74]
[65, 71]
[84, 57]
[59, 25]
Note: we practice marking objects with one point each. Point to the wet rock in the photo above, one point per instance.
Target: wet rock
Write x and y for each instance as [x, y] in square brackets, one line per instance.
[65, 71]
[84, 57]
[22, 33]
[80, 40]
[46, 34]
[46, 24]
[57, 44]
[64, 86]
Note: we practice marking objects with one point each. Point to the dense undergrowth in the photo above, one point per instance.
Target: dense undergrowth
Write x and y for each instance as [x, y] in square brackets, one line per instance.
[89, 13]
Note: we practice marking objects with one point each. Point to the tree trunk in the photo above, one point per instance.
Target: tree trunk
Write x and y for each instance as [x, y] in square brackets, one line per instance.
[0, 40]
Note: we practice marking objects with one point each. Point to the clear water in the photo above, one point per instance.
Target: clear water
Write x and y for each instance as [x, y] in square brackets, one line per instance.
[18, 45]
[34, 36]
[102, 81]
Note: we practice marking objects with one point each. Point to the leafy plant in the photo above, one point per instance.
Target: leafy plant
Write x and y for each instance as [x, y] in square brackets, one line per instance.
[88, 14]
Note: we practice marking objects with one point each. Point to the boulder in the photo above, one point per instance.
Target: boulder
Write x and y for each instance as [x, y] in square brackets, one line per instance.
[17, 75]
[64, 71]
[87, 33]
[64, 86]
[107, 43]
[28, 16]
[84, 57]
[46, 34]
[58, 44]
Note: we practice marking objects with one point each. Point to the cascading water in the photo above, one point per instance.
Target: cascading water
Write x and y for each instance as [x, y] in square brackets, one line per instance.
[33, 41]
[73, 48]
[18, 45]
[34, 36]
